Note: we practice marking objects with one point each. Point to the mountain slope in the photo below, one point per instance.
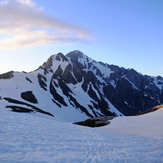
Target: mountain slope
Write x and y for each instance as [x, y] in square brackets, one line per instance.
[75, 87]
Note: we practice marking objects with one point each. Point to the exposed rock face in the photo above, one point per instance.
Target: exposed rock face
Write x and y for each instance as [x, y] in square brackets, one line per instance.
[28, 96]
[92, 88]
[74, 55]
[48, 64]
[7, 75]
[61, 57]
[128, 98]
[42, 81]
[67, 75]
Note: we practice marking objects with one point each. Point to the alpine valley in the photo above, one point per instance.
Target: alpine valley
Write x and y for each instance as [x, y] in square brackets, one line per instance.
[74, 87]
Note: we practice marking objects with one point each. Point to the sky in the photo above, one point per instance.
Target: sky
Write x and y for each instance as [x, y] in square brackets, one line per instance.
[127, 33]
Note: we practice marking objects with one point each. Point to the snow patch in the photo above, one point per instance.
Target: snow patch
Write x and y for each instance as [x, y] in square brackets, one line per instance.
[56, 64]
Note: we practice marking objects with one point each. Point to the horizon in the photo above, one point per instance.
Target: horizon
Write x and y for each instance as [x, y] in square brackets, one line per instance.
[127, 34]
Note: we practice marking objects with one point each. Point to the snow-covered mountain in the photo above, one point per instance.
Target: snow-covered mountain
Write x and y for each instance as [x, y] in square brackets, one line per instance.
[74, 87]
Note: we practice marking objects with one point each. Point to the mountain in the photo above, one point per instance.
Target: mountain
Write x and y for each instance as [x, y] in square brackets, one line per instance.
[74, 87]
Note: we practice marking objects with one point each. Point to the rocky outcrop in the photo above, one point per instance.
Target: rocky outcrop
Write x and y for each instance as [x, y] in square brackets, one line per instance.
[42, 81]
[29, 96]
[7, 75]
[47, 64]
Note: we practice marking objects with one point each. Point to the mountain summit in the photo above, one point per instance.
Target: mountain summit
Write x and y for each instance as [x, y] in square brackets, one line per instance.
[74, 87]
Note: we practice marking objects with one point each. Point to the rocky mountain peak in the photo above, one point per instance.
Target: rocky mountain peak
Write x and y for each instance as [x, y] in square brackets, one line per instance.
[74, 55]
[61, 57]
[77, 84]
[52, 59]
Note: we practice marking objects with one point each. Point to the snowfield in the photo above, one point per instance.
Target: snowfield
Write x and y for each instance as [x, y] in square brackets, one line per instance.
[150, 125]
[39, 138]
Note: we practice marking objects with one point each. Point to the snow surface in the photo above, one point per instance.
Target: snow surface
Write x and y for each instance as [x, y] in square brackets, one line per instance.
[32, 138]
[145, 125]
[12, 88]
[104, 70]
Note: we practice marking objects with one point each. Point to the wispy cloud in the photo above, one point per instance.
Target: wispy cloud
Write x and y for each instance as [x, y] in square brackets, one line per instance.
[24, 24]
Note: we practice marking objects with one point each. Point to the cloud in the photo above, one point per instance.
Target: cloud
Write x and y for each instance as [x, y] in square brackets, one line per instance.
[34, 38]
[23, 24]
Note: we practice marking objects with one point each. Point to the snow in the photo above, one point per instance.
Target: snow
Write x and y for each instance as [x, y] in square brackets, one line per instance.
[82, 97]
[56, 64]
[15, 86]
[97, 94]
[103, 69]
[145, 125]
[84, 60]
[30, 138]
[40, 138]
[112, 82]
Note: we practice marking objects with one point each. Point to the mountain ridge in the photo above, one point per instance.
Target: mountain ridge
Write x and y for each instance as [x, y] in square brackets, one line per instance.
[75, 84]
